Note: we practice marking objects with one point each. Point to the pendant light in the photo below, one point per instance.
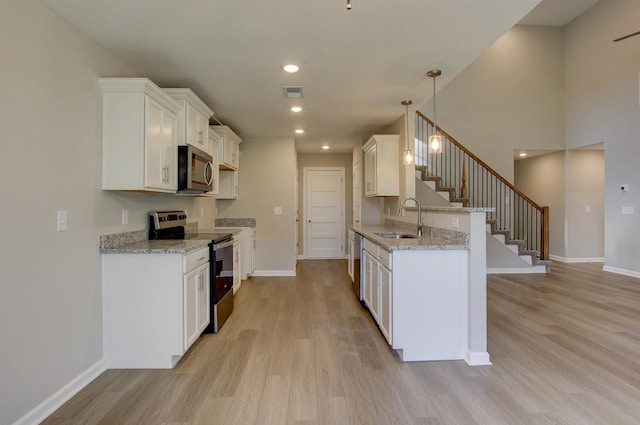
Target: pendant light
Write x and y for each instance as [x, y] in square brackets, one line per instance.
[408, 153]
[435, 140]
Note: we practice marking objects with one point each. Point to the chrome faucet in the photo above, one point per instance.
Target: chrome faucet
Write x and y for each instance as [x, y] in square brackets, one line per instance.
[401, 211]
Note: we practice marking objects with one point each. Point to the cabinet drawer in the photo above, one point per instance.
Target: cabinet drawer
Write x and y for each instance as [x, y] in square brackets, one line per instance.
[384, 257]
[371, 248]
[195, 259]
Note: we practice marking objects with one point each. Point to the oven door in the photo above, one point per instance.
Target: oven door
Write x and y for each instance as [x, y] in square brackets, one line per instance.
[221, 268]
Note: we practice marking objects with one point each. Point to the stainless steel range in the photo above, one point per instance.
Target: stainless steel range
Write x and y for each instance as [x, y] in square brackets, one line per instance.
[171, 225]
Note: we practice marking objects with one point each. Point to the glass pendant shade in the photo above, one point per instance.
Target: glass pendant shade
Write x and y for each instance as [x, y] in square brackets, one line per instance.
[408, 157]
[435, 143]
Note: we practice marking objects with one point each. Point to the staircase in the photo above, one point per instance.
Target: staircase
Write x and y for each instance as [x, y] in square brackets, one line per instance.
[528, 251]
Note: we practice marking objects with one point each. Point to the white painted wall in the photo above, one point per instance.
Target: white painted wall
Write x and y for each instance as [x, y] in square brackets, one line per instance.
[50, 291]
[584, 188]
[542, 178]
[603, 106]
[511, 97]
[267, 180]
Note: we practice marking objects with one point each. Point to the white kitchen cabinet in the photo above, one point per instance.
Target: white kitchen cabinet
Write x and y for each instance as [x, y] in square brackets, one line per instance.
[139, 130]
[229, 148]
[196, 295]
[228, 187]
[385, 282]
[154, 307]
[237, 261]
[350, 254]
[214, 140]
[193, 119]
[357, 186]
[381, 166]
[379, 286]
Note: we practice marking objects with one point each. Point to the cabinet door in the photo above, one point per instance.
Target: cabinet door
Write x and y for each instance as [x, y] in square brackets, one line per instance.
[190, 305]
[237, 262]
[370, 171]
[228, 184]
[350, 255]
[204, 304]
[215, 163]
[231, 153]
[385, 313]
[170, 151]
[357, 192]
[155, 171]
[368, 278]
[375, 290]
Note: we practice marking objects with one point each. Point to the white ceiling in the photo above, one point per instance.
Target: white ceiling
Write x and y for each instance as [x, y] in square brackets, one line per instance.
[356, 66]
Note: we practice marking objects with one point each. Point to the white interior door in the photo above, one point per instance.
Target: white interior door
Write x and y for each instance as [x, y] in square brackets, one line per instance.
[324, 212]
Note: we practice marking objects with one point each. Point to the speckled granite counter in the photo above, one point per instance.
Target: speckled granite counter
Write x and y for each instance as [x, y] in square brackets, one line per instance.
[432, 239]
[235, 222]
[136, 243]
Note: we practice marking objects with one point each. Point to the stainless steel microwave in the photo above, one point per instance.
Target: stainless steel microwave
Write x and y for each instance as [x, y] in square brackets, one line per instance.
[195, 173]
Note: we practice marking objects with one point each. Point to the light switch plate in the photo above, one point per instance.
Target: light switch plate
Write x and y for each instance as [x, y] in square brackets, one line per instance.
[277, 210]
[62, 220]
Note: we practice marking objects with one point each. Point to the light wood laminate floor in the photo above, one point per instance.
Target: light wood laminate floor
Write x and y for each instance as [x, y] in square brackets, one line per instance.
[565, 349]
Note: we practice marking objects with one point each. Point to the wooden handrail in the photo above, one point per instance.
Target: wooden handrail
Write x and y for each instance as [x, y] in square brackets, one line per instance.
[481, 162]
[543, 247]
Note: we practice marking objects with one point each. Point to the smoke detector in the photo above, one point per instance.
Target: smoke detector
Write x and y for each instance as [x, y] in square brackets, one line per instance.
[292, 92]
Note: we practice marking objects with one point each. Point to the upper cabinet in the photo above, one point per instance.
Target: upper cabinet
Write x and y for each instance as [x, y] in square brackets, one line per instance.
[214, 140]
[193, 119]
[139, 136]
[229, 147]
[381, 166]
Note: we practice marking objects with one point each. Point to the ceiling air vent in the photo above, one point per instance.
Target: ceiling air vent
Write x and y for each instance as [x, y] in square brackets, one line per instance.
[292, 92]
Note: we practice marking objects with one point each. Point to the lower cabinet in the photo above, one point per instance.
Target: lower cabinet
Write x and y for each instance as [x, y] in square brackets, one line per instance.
[237, 261]
[154, 307]
[378, 281]
[196, 303]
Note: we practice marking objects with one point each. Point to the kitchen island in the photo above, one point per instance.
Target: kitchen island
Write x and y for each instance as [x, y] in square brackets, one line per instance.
[428, 294]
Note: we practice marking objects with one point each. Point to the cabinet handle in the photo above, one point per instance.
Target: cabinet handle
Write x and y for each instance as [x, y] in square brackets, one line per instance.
[201, 139]
[208, 173]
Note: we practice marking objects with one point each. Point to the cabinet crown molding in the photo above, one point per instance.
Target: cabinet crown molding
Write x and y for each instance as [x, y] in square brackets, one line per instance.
[139, 85]
[186, 94]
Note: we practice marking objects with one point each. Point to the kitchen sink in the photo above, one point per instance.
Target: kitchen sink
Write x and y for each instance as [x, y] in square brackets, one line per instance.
[395, 235]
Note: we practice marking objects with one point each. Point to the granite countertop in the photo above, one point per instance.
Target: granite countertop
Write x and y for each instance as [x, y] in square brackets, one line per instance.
[168, 246]
[235, 222]
[432, 239]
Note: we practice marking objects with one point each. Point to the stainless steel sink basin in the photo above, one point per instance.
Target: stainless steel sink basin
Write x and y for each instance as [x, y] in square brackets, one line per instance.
[395, 235]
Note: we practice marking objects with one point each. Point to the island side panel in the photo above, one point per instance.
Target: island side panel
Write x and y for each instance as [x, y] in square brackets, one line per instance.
[142, 310]
[477, 353]
[430, 304]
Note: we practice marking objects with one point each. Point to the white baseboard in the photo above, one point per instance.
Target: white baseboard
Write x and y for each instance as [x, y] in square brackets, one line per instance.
[47, 407]
[274, 273]
[621, 271]
[524, 270]
[577, 260]
[478, 358]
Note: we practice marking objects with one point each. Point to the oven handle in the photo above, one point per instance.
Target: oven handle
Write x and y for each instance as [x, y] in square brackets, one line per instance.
[223, 245]
[208, 176]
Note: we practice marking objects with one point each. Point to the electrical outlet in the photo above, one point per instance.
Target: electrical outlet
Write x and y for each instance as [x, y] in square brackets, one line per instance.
[277, 210]
[587, 209]
[455, 222]
[201, 212]
[125, 217]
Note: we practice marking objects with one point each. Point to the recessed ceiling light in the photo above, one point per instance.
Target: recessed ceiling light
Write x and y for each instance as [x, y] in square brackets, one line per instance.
[523, 154]
[299, 131]
[291, 68]
[296, 108]
[325, 147]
